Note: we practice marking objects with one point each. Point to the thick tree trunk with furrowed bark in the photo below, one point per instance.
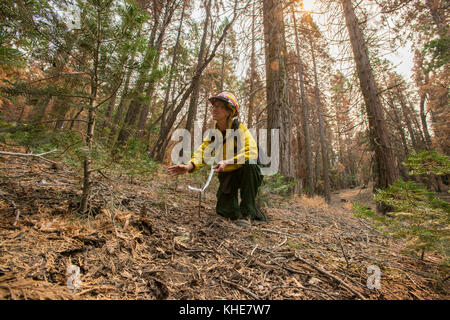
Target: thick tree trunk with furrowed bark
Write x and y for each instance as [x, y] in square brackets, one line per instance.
[276, 79]
[386, 170]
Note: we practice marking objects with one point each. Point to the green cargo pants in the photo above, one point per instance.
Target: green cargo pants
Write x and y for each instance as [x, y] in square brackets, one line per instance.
[248, 179]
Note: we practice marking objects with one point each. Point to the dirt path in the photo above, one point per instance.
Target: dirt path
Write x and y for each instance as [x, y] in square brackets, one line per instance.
[359, 194]
[146, 241]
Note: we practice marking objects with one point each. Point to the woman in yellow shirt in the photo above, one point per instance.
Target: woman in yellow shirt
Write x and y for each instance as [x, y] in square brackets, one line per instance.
[239, 171]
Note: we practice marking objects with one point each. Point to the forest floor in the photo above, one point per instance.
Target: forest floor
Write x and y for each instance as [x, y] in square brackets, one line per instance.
[148, 240]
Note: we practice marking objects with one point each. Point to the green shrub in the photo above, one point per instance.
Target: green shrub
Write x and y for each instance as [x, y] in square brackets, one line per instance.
[428, 162]
[424, 219]
[275, 185]
[133, 159]
[419, 216]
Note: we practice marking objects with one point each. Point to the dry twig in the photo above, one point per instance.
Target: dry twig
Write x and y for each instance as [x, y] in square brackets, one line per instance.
[330, 276]
[241, 288]
[40, 156]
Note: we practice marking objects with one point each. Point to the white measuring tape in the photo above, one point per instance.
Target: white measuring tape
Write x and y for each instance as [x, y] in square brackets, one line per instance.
[206, 184]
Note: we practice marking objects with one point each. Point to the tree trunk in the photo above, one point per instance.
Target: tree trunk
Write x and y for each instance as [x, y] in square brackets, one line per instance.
[170, 8]
[109, 111]
[42, 106]
[276, 80]
[192, 111]
[323, 144]
[135, 105]
[87, 159]
[205, 116]
[437, 19]
[124, 98]
[222, 70]
[72, 122]
[386, 170]
[172, 68]
[407, 117]
[399, 126]
[423, 120]
[252, 73]
[91, 122]
[305, 113]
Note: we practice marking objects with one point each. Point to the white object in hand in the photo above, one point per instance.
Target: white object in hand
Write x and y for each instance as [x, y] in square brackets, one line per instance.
[206, 184]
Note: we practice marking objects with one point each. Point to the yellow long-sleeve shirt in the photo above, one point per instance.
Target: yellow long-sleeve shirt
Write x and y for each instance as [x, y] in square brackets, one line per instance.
[238, 142]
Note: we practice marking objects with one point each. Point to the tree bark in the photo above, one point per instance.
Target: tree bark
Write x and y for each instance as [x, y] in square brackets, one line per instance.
[407, 117]
[423, 120]
[172, 67]
[276, 80]
[91, 121]
[323, 144]
[109, 111]
[398, 124]
[252, 73]
[170, 8]
[205, 116]
[305, 113]
[135, 105]
[386, 170]
[222, 68]
[192, 111]
[124, 98]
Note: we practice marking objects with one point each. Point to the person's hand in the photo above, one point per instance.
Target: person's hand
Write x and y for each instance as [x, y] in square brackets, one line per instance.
[179, 169]
[220, 166]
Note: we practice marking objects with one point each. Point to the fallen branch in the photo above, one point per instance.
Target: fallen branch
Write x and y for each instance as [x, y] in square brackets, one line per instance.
[106, 177]
[321, 290]
[254, 249]
[241, 288]
[330, 276]
[95, 288]
[293, 270]
[27, 175]
[343, 252]
[278, 232]
[40, 156]
[267, 296]
[282, 243]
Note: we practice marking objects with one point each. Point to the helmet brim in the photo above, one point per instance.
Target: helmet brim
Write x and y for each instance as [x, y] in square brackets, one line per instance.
[227, 103]
[213, 99]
